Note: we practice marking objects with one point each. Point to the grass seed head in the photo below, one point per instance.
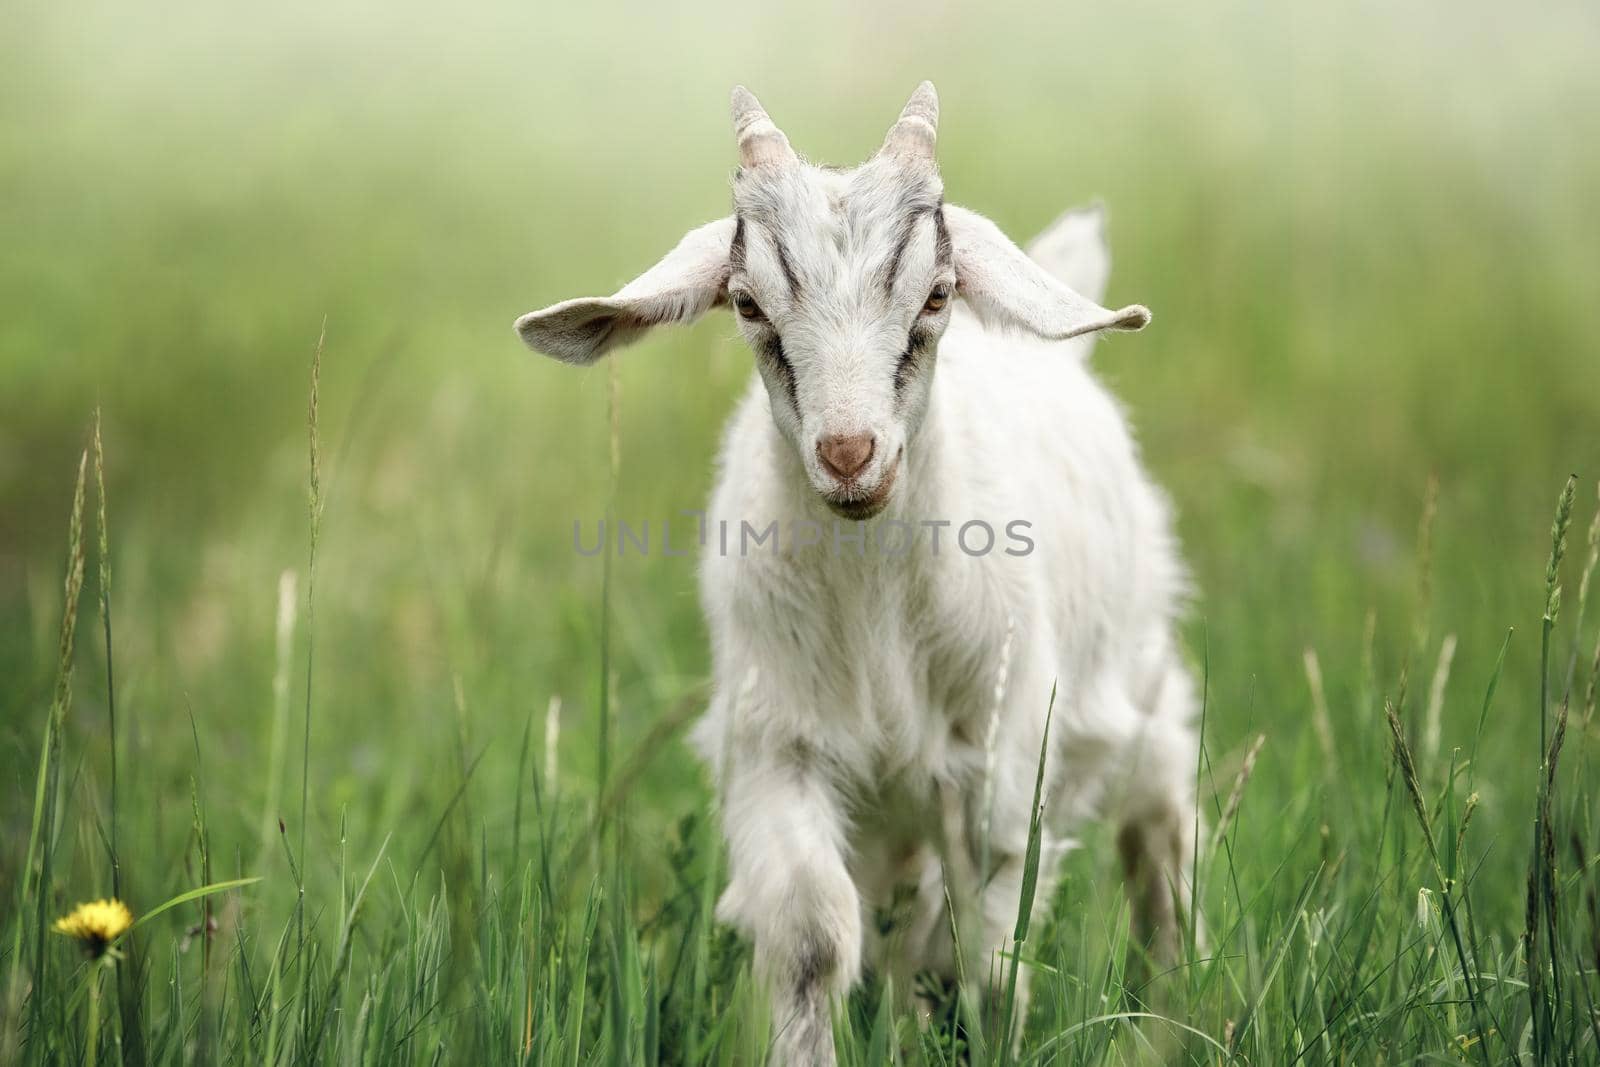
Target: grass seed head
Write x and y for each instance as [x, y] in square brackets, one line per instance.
[1558, 549]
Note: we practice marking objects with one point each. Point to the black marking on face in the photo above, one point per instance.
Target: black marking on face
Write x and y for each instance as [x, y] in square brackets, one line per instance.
[903, 235]
[786, 267]
[943, 251]
[736, 248]
[766, 221]
[919, 342]
[771, 348]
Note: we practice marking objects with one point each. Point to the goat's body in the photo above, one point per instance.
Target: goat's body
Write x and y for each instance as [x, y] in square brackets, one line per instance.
[878, 717]
[882, 698]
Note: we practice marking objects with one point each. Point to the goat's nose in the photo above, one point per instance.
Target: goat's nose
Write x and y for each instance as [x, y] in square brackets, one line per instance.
[843, 455]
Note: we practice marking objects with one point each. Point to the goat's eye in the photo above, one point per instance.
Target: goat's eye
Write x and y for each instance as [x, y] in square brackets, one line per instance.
[746, 306]
[937, 299]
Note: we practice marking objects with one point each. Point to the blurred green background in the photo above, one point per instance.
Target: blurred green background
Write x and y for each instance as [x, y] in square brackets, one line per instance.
[1368, 234]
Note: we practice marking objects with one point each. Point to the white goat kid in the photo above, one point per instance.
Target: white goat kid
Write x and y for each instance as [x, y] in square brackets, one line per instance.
[880, 709]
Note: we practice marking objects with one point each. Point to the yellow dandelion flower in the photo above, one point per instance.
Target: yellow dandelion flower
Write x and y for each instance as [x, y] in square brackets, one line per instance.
[96, 924]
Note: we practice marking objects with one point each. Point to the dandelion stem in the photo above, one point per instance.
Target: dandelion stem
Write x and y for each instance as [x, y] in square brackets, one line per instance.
[93, 1048]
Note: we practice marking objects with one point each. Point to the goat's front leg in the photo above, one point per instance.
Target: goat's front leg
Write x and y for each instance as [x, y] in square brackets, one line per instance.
[792, 894]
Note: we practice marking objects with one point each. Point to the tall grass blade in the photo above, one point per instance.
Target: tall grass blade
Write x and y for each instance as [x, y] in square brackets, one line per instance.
[129, 997]
[314, 503]
[1030, 882]
[105, 623]
[603, 735]
[42, 836]
[1541, 958]
[341, 961]
[1408, 774]
[278, 737]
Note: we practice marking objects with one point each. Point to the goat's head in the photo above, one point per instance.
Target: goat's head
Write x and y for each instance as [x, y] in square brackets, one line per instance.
[843, 282]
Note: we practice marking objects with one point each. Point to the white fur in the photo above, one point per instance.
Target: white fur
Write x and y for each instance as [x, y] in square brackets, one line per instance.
[878, 718]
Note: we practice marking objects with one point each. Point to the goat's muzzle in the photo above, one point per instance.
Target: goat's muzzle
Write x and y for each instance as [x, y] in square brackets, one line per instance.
[850, 501]
[844, 455]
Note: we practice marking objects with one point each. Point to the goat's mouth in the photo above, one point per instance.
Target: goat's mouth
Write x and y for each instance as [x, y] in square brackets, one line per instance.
[849, 502]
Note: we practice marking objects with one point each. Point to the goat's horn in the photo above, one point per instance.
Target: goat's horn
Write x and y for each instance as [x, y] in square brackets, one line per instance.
[915, 132]
[760, 142]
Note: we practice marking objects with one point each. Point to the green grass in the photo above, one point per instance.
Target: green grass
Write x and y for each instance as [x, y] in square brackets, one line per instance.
[1368, 241]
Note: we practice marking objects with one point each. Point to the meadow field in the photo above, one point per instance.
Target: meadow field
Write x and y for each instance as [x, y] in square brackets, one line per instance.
[431, 761]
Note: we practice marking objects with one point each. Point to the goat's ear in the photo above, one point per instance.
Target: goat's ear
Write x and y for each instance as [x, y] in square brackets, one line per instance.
[1006, 288]
[687, 282]
[1074, 249]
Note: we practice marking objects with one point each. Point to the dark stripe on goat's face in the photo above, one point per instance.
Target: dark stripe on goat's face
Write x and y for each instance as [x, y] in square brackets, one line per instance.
[918, 345]
[772, 349]
[786, 267]
[737, 254]
[736, 248]
[944, 252]
[903, 235]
